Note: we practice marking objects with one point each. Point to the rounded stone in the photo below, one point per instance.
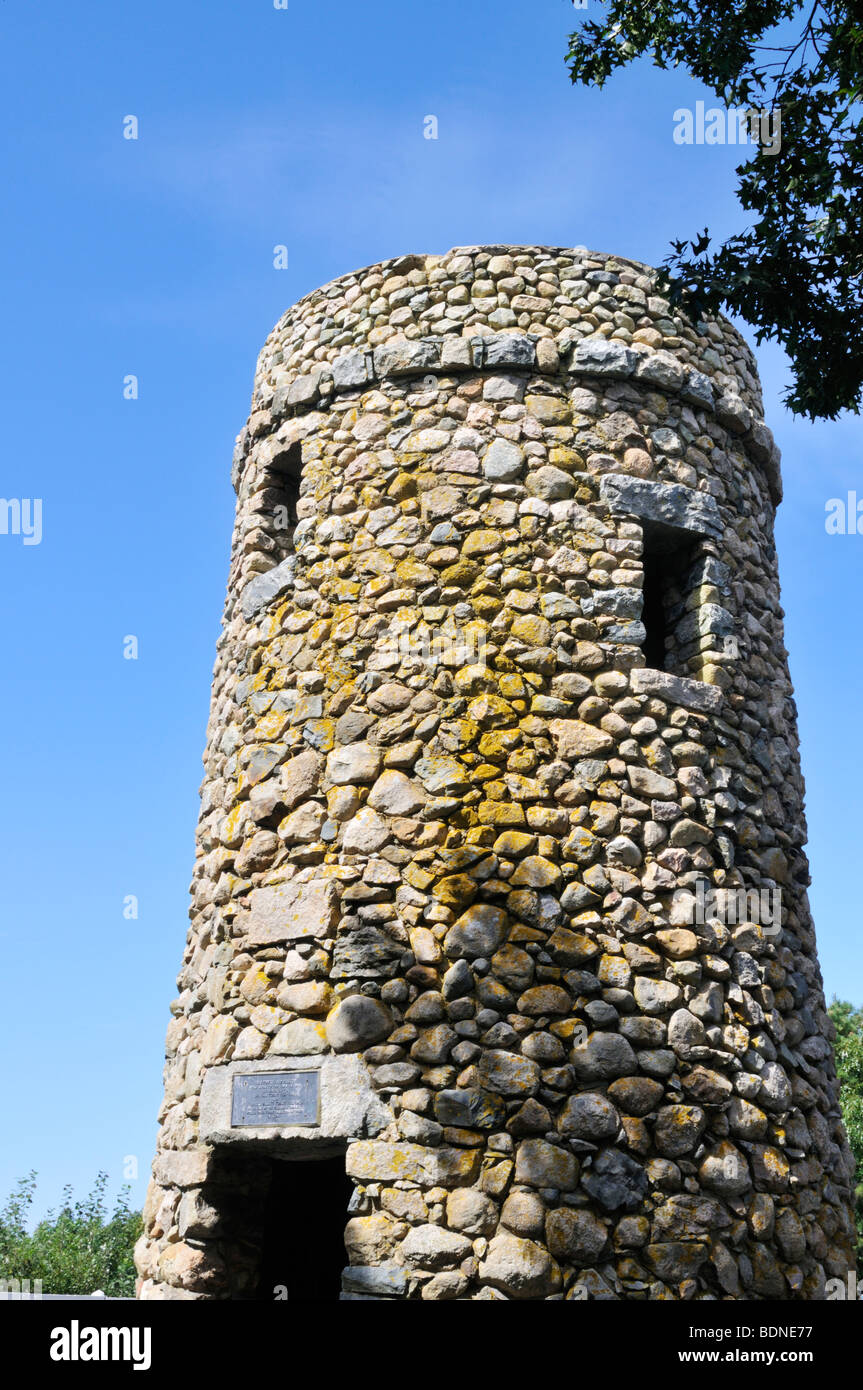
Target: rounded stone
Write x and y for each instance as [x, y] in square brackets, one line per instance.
[300, 1038]
[524, 1214]
[636, 1095]
[394, 794]
[503, 461]
[471, 1212]
[678, 1129]
[542, 1165]
[544, 999]
[544, 1048]
[365, 833]
[446, 1285]
[513, 967]
[433, 1247]
[746, 1119]
[508, 1074]
[478, 932]
[520, 1268]
[550, 483]
[656, 996]
[357, 1022]
[685, 1031]
[468, 1107]
[725, 1171]
[616, 1181]
[603, 1057]
[356, 762]
[589, 1116]
[575, 1237]
[370, 1239]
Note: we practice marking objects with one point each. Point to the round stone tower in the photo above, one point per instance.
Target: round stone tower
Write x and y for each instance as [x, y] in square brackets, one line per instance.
[501, 974]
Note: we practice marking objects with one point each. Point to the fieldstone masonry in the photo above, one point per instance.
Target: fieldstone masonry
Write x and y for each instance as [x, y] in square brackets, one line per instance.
[452, 820]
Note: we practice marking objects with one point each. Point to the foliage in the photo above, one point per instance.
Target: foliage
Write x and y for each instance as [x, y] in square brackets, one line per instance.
[795, 274]
[848, 1048]
[78, 1249]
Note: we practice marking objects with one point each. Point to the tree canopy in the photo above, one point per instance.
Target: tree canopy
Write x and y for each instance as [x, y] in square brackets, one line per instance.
[795, 273]
[79, 1249]
[848, 1049]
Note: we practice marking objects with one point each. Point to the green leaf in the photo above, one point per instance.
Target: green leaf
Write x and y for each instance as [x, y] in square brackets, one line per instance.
[796, 274]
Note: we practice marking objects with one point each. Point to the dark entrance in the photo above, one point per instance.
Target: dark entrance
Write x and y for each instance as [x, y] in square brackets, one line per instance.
[304, 1224]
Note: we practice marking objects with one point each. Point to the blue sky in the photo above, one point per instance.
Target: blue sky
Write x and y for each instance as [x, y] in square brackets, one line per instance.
[258, 127]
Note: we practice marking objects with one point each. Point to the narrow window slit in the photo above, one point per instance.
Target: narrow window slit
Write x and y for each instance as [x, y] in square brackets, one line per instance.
[285, 478]
[667, 559]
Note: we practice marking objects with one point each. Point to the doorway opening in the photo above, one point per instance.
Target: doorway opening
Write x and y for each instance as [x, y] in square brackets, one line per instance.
[303, 1250]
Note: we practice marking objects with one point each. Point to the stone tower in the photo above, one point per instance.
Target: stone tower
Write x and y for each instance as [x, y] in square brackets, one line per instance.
[501, 973]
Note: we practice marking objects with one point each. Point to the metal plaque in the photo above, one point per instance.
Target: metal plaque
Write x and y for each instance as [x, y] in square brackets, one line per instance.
[276, 1098]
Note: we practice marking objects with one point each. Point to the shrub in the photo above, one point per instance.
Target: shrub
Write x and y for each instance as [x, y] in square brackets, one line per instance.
[848, 1047]
[80, 1248]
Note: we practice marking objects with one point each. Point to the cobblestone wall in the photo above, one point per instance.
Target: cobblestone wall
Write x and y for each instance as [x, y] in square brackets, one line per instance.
[464, 850]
